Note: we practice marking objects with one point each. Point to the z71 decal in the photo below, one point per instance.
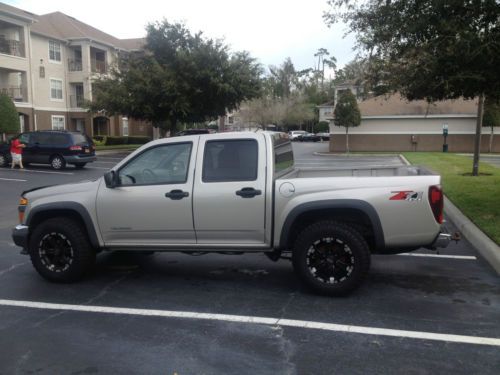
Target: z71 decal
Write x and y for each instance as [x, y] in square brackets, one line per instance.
[407, 195]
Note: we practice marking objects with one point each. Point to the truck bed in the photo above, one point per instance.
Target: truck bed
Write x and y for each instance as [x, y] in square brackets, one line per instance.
[377, 171]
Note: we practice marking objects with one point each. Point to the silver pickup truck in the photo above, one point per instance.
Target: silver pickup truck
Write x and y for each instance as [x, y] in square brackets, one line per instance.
[232, 193]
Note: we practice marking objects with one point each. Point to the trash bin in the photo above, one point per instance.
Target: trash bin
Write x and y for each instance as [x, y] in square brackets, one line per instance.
[445, 148]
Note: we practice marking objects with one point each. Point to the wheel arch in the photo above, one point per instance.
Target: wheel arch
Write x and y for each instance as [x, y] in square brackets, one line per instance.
[357, 212]
[73, 210]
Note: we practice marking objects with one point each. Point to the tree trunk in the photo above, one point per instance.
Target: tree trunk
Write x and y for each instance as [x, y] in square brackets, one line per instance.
[347, 139]
[477, 140]
[490, 147]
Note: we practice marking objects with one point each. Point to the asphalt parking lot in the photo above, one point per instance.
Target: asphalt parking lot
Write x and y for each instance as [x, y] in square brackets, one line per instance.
[174, 313]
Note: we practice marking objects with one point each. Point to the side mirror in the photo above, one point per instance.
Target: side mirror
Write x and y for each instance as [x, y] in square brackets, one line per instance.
[111, 179]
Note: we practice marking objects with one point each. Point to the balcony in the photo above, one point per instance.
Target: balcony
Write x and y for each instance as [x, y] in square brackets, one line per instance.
[98, 66]
[76, 101]
[12, 47]
[17, 94]
[75, 65]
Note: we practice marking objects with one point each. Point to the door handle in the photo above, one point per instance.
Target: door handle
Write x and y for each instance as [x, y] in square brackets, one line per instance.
[248, 192]
[177, 194]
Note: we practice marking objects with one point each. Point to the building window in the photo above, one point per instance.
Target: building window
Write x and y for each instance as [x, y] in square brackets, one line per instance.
[54, 51]
[125, 127]
[42, 72]
[56, 89]
[57, 122]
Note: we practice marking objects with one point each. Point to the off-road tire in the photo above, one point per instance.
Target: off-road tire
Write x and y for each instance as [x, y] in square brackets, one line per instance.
[357, 254]
[69, 232]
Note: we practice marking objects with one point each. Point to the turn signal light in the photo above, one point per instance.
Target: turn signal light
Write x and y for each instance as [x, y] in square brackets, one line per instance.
[23, 202]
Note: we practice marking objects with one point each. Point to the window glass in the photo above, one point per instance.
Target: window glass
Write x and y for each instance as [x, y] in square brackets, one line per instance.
[58, 139]
[56, 89]
[167, 164]
[232, 160]
[24, 138]
[58, 122]
[80, 138]
[54, 51]
[283, 154]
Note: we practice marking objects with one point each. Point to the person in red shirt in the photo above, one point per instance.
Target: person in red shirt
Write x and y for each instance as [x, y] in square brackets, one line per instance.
[16, 151]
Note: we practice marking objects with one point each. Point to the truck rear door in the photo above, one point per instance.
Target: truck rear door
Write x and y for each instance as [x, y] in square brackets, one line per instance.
[229, 190]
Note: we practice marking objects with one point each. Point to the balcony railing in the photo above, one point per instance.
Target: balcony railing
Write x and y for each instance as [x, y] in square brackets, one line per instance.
[17, 94]
[12, 47]
[76, 101]
[98, 66]
[75, 65]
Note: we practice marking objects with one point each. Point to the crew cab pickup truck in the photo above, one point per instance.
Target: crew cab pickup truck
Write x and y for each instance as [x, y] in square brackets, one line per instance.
[231, 193]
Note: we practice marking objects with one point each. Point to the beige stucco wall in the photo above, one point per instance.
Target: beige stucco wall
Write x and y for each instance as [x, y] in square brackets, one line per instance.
[402, 125]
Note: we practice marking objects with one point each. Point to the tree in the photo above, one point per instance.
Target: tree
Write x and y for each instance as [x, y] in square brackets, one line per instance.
[322, 127]
[427, 49]
[180, 77]
[347, 114]
[491, 118]
[9, 118]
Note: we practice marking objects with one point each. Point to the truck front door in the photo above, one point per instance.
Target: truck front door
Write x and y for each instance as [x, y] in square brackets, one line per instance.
[152, 204]
[229, 191]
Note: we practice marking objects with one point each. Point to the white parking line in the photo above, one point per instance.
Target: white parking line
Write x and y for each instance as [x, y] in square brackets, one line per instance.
[12, 179]
[107, 169]
[105, 162]
[35, 171]
[466, 257]
[258, 320]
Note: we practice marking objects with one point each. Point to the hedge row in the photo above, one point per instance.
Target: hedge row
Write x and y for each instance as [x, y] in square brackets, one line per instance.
[132, 140]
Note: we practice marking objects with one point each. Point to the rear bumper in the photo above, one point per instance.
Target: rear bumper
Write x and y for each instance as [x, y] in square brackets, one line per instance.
[80, 158]
[20, 235]
[442, 240]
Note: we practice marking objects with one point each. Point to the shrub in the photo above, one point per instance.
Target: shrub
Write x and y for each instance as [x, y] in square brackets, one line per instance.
[138, 140]
[116, 141]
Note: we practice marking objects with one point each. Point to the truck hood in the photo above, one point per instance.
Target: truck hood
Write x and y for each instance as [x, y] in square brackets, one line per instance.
[74, 187]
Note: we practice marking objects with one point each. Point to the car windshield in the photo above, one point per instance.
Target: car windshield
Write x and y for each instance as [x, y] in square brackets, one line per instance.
[80, 138]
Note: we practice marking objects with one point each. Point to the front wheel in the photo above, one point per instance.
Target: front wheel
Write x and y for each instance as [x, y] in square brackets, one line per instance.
[331, 258]
[60, 250]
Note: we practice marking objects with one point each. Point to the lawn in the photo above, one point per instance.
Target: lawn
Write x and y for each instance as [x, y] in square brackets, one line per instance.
[477, 197]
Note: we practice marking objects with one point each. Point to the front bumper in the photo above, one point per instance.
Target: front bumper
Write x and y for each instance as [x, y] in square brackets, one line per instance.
[20, 235]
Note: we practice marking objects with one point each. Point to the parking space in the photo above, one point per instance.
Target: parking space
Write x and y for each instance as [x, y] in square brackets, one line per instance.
[424, 313]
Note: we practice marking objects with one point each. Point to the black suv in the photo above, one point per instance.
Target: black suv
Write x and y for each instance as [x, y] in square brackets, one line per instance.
[54, 147]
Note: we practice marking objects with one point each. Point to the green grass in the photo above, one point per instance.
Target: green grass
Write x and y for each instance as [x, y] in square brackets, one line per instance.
[117, 147]
[477, 197]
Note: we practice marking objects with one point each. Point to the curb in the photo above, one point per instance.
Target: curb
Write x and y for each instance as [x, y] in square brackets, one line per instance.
[111, 152]
[348, 155]
[488, 249]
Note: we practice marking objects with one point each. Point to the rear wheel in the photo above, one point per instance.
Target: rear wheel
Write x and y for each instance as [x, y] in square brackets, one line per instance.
[4, 161]
[60, 250]
[331, 258]
[58, 162]
[80, 165]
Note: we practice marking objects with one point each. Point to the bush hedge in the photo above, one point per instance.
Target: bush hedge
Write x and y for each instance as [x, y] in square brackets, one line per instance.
[109, 141]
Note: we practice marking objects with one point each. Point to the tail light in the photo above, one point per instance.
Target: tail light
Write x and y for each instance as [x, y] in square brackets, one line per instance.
[436, 200]
[76, 148]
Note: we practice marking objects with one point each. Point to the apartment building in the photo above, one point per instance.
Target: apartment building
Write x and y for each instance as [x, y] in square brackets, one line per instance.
[47, 66]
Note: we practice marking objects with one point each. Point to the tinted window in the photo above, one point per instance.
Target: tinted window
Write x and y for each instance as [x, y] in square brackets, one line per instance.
[166, 164]
[58, 139]
[24, 138]
[80, 138]
[230, 161]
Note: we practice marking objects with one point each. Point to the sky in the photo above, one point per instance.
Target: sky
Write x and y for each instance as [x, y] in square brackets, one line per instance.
[271, 30]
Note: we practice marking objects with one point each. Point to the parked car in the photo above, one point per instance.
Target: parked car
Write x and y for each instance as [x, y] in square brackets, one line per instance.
[234, 193]
[324, 136]
[295, 134]
[192, 132]
[55, 147]
[308, 137]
